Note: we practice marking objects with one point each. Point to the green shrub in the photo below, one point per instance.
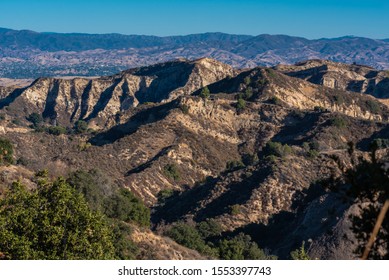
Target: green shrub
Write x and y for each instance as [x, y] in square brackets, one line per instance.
[278, 150]
[373, 106]
[205, 93]
[52, 222]
[81, 126]
[104, 196]
[234, 165]
[171, 171]
[209, 228]
[339, 122]
[164, 195]
[311, 149]
[379, 143]
[188, 236]
[299, 254]
[36, 119]
[248, 93]
[125, 248]
[247, 80]
[56, 130]
[240, 248]
[125, 206]
[185, 109]
[250, 159]
[241, 104]
[6, 151]
[83, 146]
[275, 100]
[235, 209]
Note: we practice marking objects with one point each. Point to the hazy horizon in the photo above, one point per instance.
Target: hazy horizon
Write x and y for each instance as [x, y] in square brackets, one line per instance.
[301, 18]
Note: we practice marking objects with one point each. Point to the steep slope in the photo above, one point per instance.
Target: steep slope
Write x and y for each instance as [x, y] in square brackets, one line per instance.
[102, 100]
[356, 78]
[252, 157]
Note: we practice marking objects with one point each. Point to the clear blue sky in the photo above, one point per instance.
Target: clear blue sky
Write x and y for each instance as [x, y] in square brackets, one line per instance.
[307, 18]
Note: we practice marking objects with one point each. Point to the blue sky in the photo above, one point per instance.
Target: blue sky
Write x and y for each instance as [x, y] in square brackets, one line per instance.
[310, 19]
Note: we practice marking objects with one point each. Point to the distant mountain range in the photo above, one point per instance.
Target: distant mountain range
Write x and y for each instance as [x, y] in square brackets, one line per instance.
[28, 54]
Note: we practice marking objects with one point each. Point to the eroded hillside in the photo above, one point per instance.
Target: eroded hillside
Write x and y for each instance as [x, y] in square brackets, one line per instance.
[250, 155]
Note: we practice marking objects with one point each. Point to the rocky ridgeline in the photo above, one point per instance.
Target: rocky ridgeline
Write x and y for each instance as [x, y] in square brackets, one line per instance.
[249, 155]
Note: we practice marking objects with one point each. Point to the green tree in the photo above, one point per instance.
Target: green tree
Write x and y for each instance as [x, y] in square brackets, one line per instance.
[205, 93]
[36, 119]
[6, 151]
[188, 236]
[299, 254]
[240, 248]
[126, 207]
[171, 171]
[52, 222]
[81, 126]
[241, 104]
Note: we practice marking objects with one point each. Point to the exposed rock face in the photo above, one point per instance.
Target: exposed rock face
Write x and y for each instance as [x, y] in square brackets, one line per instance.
[217, 146]
[356, 78]
[101, 100]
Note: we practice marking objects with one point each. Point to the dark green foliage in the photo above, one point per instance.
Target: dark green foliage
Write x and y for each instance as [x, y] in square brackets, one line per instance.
[248, 93]
[120, 205]
[171, 171]
[205, 93]
[56, 130]
[250, 159]
[247, 80]
[241, 104]
[235, 209]
[373, 106]
[16, 122]
[22, 161]
[209, 228]
[52, 222]
[369, 186]
[271, 73]
[240, 248]
[339, 122]
[339, 99]
[188, 236]
[106, 197]
[2, 116]
[95, 187]
[184, 108]
[125, 206]
[164, 195]
[6, 151]
[319, 109]
[311, 149]
[299, 254]
[275, 100]
[36, 119]
[278, 150]
[234, 165]
[81, 126]
[125, 248]
[379, 143]
[205, 237]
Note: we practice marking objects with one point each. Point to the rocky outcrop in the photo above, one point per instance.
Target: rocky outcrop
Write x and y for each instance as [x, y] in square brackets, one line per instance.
[212, 152]
[101, 100]
[356, 78]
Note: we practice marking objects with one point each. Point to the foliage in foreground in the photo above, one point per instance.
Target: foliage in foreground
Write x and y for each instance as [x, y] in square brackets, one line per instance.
[52, 222]
[205, 237]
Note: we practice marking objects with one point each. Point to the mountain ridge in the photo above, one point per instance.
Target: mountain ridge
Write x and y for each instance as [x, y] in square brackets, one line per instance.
[28, 54]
